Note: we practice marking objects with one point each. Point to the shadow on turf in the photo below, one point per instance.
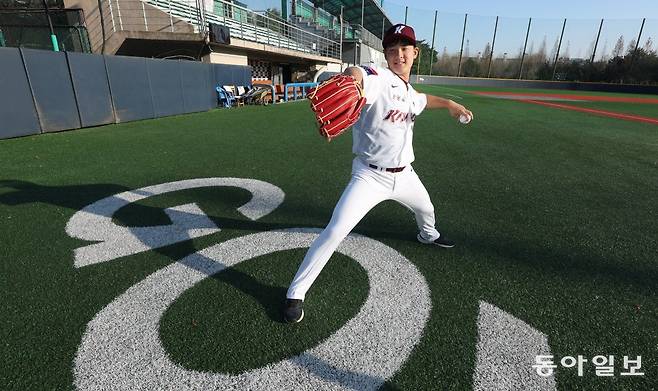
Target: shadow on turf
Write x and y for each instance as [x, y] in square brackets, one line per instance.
[76, 197]
[73, 197]
[348, 379]
[269, 297]
[570, 264]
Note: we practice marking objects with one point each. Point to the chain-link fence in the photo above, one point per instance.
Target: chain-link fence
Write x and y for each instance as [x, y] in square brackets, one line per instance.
[30, 28]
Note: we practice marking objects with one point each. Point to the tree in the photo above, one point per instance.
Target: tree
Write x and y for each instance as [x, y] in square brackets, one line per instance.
[554, 50]
[486, 53]
[619, 47]
[470, 68]
[566, 54]
[631, 46]
[604, 51]
[648, 45]
[542, 50]
[426, 54]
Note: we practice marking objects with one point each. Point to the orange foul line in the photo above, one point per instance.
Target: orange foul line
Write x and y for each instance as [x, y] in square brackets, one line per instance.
[628, 117]
[591, 98]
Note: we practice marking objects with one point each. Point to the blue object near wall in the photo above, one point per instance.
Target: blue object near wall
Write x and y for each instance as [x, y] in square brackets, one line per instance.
[295, 87]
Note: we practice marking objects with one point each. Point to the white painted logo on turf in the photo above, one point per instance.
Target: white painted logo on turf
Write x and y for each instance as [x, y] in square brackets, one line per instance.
[506, 350]
[94, 222]
[121, 348]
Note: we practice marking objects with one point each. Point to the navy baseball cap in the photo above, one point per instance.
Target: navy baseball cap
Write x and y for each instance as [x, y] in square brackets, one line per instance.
[399, 32]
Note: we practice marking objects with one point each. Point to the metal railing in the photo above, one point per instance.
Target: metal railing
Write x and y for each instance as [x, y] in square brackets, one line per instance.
[324, 20]
[185, 16]
[369, 38]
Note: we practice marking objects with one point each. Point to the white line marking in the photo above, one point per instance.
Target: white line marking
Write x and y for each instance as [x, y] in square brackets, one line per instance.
[506, 351]
[94, 222]
[121, 347]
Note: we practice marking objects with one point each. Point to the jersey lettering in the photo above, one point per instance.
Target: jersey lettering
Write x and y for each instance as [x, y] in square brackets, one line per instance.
[399, 116]
[369, 70]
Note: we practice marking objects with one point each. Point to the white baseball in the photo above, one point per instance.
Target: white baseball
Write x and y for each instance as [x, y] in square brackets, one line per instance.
[465, 118]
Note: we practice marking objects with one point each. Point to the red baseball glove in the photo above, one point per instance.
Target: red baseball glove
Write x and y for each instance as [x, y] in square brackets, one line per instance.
[337, 104]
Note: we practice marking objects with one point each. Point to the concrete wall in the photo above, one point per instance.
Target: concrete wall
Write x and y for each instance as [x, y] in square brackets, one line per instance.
[225, 58]
[123, 17]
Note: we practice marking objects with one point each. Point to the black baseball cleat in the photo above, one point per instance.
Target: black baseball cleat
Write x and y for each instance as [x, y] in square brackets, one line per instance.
[294, 311]
[442, 241]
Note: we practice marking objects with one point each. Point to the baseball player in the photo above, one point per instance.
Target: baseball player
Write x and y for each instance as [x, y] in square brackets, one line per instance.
[381, 170]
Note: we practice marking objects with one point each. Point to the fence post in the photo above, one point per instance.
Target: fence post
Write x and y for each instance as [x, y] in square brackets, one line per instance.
[363, 10]
[461, 51]
[146, 24]
[171, 18]
[493, 45]
[527, 34]
[341, 39]
[119, 15]
[433, 35]
[559, 45]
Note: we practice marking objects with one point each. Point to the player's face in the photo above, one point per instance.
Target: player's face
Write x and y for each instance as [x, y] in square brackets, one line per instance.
[400, 59]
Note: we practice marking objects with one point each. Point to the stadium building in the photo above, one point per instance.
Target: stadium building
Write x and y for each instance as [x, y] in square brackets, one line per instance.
[280, 46]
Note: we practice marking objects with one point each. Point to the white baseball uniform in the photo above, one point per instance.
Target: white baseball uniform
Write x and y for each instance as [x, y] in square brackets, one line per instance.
[381, 170]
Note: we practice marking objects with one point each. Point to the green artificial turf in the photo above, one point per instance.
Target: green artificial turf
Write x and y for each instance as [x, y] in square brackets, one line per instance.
[554, 214]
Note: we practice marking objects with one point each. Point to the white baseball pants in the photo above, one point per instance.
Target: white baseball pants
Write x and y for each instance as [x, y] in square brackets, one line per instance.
[367, 188]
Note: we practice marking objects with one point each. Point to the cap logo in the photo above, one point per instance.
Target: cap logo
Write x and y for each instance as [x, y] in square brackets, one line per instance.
[398, 30]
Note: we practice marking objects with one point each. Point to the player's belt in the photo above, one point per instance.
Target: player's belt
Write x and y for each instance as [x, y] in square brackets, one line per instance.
[388, 169]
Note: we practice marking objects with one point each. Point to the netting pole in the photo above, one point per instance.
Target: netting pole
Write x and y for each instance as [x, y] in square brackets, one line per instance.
[525, 45]
[433, 36]
[493, 44]
[461, 51]
[637, 44]
[559, 45]
[406, 8]
[596, 44]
